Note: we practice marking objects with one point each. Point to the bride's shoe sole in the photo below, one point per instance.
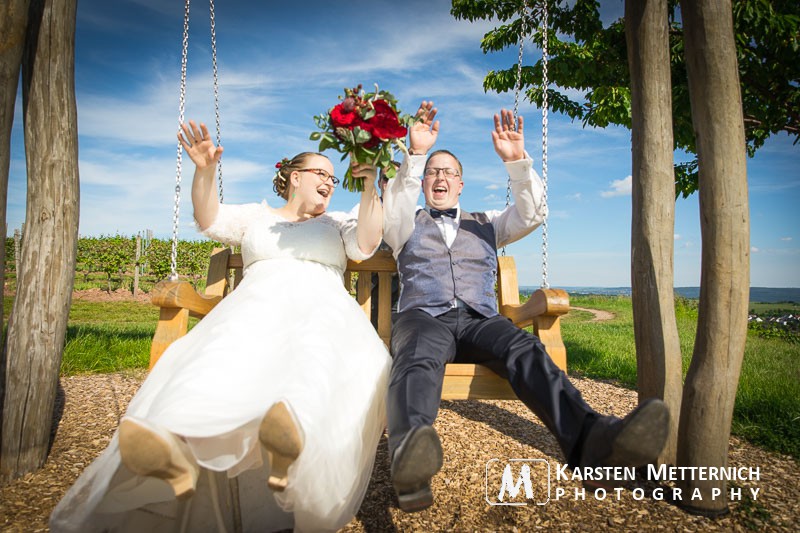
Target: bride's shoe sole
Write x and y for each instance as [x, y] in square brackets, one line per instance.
[147, 453]
[280, 437]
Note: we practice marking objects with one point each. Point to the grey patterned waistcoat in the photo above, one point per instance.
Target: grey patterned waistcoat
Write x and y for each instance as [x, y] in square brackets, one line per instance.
[432, 276]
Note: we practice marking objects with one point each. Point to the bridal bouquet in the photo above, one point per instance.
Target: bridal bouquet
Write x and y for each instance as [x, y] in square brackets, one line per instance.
[365, 126]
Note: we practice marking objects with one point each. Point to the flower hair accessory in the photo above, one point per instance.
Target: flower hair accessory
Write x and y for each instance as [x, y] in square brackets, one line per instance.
[283, 162]
[365, 126]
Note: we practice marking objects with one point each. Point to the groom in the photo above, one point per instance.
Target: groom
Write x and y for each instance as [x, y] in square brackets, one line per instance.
[447, 312]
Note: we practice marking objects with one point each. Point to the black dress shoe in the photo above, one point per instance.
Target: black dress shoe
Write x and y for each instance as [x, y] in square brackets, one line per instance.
[416, 461]
[634, 441]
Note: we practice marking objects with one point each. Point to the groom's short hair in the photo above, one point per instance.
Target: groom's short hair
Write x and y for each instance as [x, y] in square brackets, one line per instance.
[451, 154]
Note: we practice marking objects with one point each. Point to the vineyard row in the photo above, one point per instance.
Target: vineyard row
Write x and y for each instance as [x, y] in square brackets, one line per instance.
[118, 256]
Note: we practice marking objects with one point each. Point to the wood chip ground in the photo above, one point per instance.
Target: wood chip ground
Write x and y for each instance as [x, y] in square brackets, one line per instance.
[472, 433]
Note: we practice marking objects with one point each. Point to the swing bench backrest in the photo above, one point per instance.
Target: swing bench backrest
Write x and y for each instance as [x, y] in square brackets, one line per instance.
[543, 310]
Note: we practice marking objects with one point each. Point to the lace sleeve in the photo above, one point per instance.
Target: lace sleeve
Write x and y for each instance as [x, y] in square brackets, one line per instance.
[232, 221]
[348, 223]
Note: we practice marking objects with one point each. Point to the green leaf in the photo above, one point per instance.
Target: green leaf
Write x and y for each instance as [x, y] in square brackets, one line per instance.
[368, 114]
[686, 179]
[588, 68]
[352, 184]
[326, 143]
[361, 136]
[390, 171]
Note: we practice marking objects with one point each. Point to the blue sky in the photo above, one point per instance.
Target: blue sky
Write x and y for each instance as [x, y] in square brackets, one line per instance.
[280, 63]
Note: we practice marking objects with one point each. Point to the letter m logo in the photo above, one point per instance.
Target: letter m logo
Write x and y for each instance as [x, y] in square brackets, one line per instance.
[507, 483]
[513, 488]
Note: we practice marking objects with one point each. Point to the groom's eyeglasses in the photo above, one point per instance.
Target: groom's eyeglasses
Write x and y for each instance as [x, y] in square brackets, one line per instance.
[449, 173]
[323, 175]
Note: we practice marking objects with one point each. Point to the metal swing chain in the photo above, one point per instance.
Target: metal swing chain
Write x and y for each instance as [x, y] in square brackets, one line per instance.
[216, 92]
[173, 258]
[545, 83]
[518, 82]
[517, 88]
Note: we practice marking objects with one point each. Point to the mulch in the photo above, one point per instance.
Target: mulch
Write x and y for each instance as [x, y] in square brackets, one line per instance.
[473, 433]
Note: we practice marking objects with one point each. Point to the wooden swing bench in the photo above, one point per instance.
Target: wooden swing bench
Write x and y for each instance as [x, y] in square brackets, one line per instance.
[178, 300]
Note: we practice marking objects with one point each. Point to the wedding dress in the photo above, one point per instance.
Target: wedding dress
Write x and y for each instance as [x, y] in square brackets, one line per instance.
[289, 332]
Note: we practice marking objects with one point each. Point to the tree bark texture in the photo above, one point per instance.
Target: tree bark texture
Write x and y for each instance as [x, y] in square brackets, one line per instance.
[38, 320]
[13, 20]
[658, 352]
[713, 377]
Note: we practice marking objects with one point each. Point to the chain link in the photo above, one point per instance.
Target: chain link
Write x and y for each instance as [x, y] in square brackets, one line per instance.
[173, 258]
[216, 92]
[517, 89]
[518, 82]
[508, 202]
[545, 83]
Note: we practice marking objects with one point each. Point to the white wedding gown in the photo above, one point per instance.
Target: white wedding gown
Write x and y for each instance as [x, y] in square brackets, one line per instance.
[290, 332]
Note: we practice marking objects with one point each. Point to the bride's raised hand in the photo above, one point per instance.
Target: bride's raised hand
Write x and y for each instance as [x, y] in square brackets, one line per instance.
[198, 145]
[365, 172]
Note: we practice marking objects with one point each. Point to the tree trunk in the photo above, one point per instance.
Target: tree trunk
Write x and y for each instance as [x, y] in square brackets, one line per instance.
[658, 352]
[13, 19]
[711, 383]
[38, 321]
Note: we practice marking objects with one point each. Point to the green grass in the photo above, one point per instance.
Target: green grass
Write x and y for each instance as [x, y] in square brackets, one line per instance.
[767, 408]
[113, 336]
[779, 308]
[106, 336]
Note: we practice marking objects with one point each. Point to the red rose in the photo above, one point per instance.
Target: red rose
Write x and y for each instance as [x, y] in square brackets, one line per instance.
[373, 141]
[384, 124]
[344, 119]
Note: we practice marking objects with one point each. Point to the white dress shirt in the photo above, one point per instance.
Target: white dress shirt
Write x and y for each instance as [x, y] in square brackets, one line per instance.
[511, 224]
[448, 225]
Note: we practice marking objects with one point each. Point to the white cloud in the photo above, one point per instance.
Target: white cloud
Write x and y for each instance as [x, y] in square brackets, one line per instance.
[149, 116]
[676, 237]
[576, 95]
[492, 199]
[421, 40]
[619, 188]
[274, 78]
[754, 250]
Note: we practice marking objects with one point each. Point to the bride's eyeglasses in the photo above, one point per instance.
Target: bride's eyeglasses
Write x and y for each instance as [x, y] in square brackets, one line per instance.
[323, 175]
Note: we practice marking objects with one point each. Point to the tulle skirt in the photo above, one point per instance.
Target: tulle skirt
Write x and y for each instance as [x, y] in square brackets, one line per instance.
[290, 332]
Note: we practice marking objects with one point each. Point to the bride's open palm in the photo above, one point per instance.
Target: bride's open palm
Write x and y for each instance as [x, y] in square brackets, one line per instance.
[198, 144]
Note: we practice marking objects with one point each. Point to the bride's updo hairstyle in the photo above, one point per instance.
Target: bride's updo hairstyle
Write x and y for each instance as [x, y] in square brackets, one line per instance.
[285, 167]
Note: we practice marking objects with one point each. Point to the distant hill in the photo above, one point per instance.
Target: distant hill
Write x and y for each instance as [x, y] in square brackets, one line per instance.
[757, 294]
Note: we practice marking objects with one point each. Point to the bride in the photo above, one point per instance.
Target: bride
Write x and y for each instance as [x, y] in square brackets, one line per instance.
[281, 388]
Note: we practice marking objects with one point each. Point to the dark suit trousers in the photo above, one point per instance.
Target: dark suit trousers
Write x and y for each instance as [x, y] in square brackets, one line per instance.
[422, 345]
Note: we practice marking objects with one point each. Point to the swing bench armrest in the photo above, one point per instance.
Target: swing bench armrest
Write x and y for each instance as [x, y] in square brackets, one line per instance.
[543, 302]
[176, 294]
[543, 311]
[177, 300]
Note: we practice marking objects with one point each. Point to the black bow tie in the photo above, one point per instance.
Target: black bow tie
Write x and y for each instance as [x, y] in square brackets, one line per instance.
[452, 212]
